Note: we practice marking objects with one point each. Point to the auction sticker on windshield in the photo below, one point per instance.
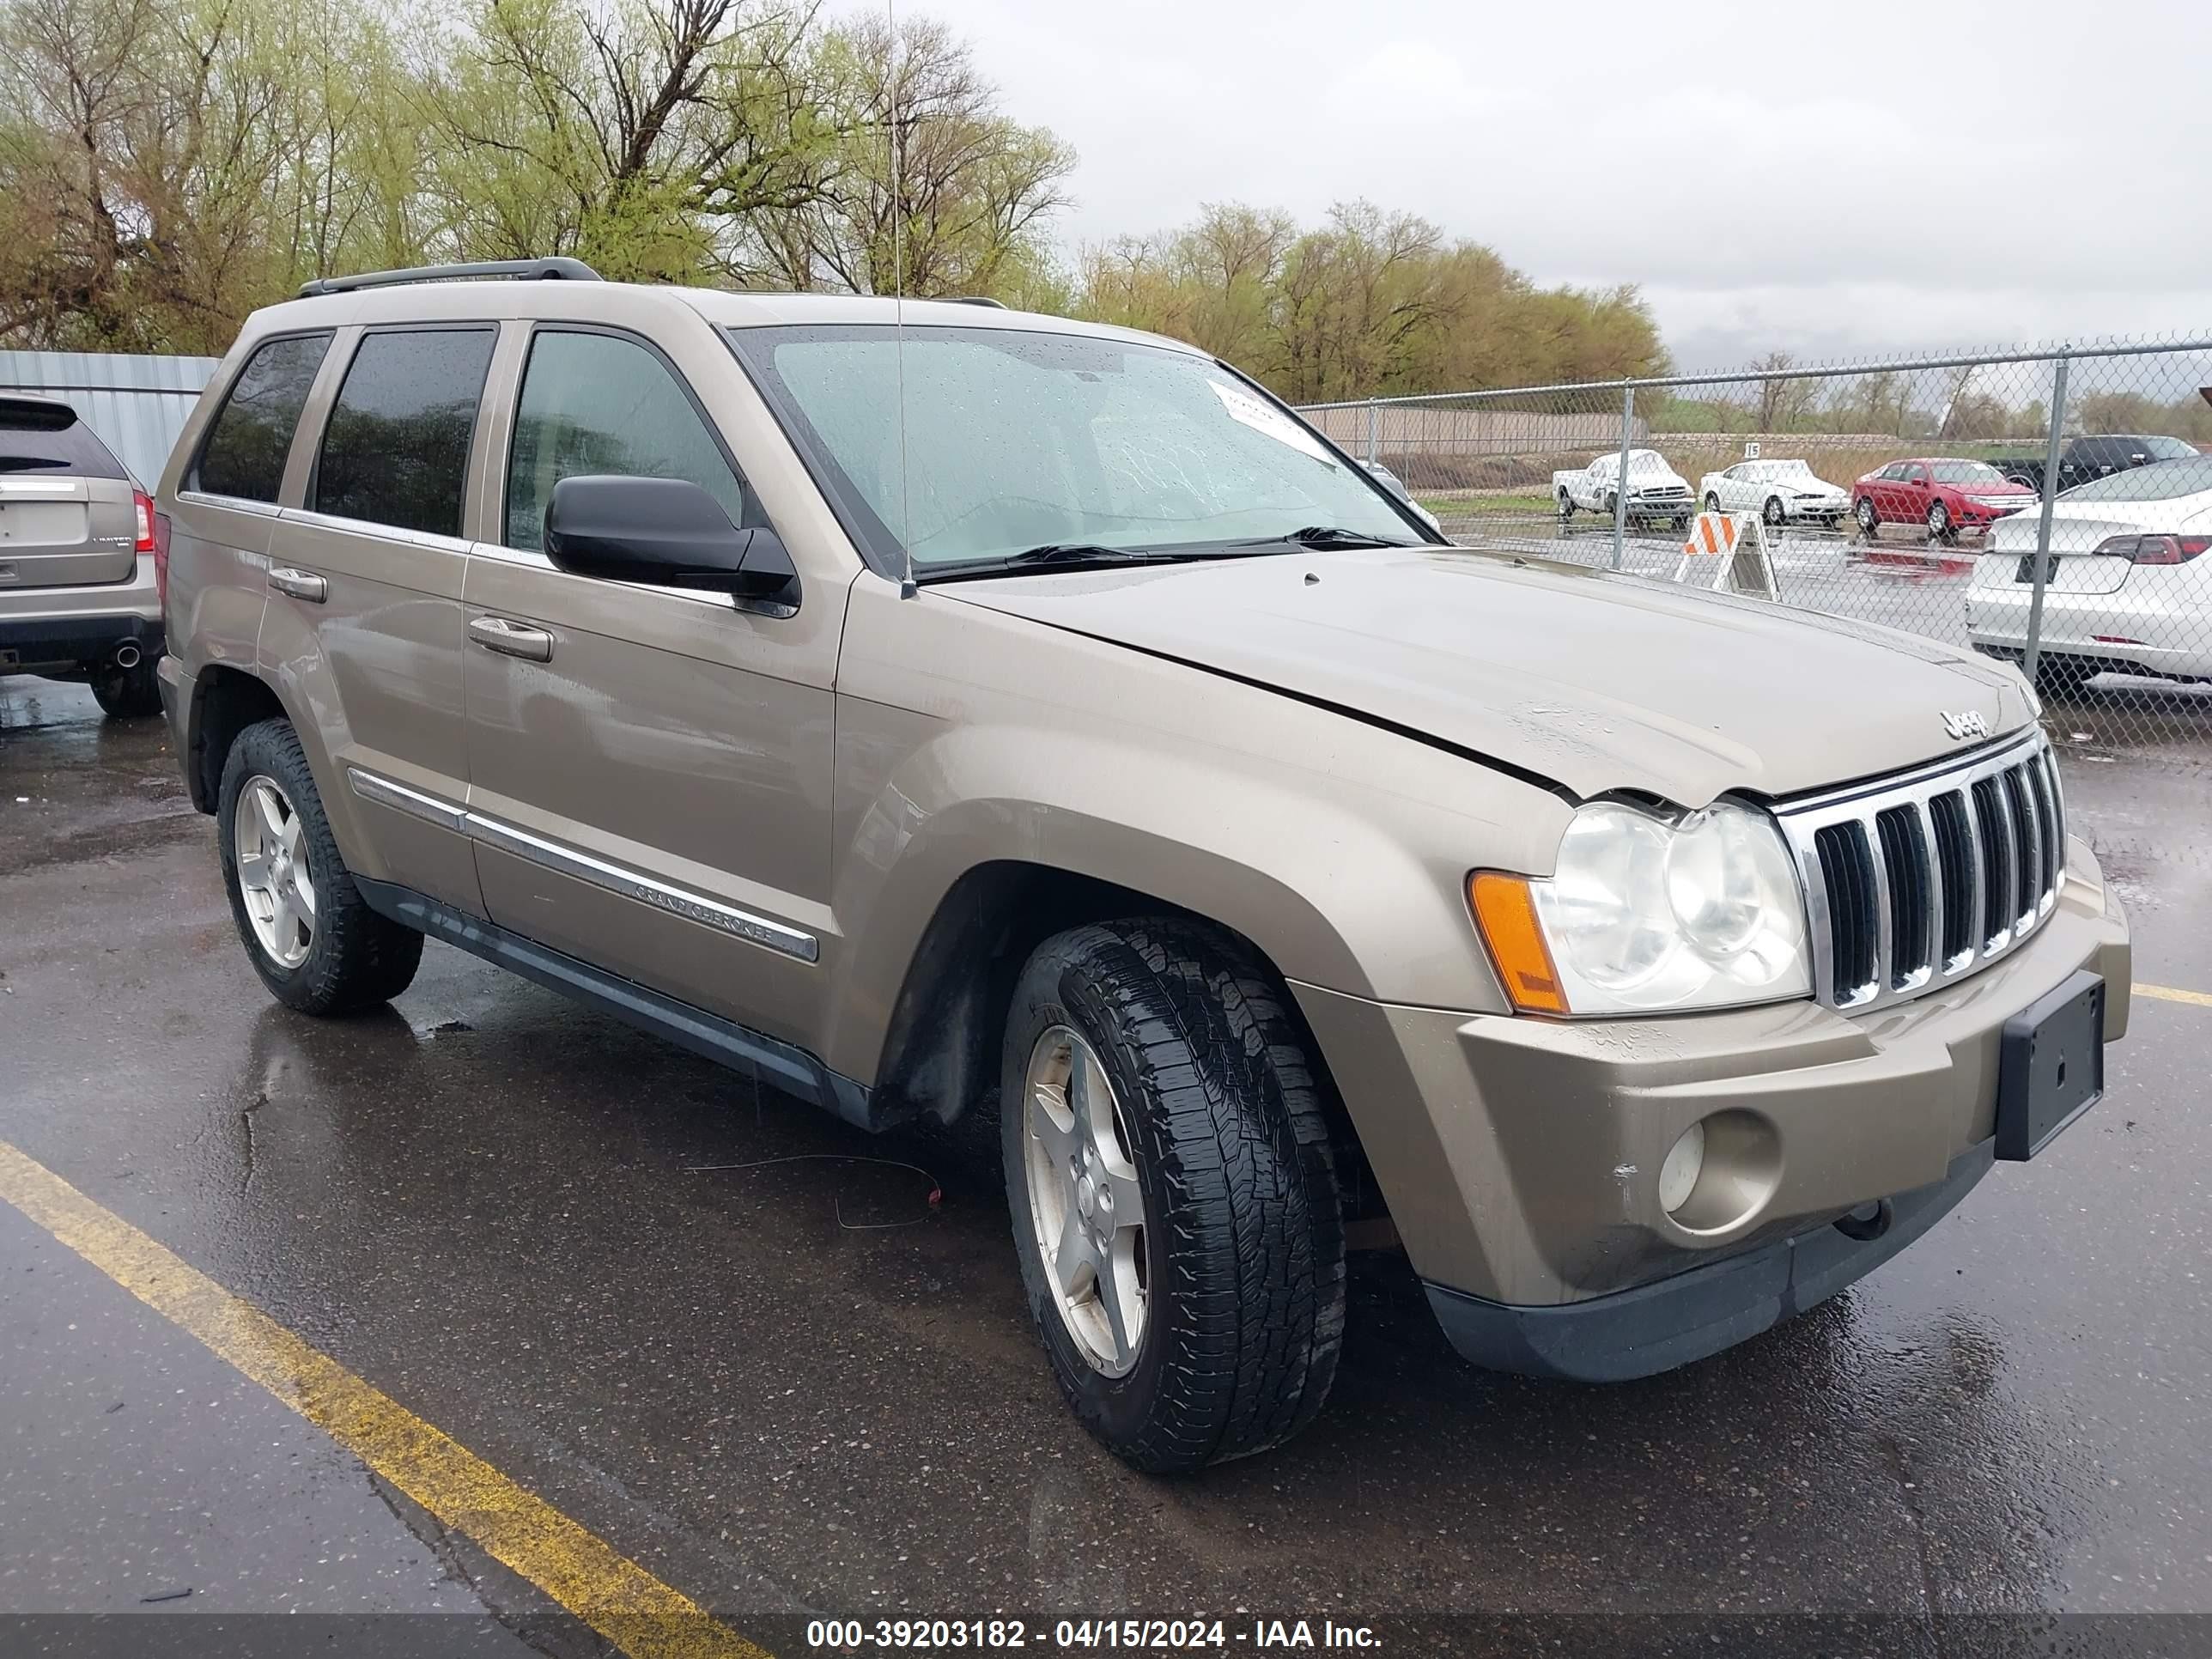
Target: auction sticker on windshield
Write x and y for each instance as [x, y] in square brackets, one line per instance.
[1243, 406]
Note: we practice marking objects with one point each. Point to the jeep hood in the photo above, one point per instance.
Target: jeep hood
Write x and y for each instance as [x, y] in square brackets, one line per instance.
[1581, 678]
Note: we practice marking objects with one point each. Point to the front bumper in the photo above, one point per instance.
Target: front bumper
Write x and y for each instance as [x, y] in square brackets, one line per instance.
[63, 629]
[1672, 1321]
[1520, 1156]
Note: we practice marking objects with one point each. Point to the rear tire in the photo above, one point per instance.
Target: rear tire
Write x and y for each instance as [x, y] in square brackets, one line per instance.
[1204, 1079]
[127, 694]
[353, 958]
[1868, 520]
[2064, 678]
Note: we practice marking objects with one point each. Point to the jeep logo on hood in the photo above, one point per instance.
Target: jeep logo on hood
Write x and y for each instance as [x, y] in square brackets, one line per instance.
[1964, 726]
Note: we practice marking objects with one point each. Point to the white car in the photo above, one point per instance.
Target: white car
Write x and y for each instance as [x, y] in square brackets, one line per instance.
[2129, 591]
[1778, 491]
[1656, 491]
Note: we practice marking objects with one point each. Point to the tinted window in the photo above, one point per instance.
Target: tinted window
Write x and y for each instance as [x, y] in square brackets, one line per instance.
[597, 404]
[244, 452]
[38, 436]
[397, 448]
[2161, 481]
[2169, 449]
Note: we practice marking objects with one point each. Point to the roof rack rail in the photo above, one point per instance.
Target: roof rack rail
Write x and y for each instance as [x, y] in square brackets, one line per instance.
[975, 300]
[520, 270]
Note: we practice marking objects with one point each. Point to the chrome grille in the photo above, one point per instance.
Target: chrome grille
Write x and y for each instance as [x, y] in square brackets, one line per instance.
[1913, 881]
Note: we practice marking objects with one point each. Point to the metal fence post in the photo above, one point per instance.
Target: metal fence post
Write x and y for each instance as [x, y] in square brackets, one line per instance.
[1620, 479]
[2032, 655]
[1374, 421]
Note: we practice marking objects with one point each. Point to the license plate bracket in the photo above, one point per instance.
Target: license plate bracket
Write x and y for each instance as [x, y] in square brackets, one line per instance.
[2050, 1065]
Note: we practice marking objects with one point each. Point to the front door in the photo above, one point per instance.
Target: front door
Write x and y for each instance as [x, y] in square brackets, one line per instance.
[649, 769]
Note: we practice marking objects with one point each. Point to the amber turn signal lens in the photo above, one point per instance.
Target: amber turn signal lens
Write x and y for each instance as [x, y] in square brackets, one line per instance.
[1505, 912]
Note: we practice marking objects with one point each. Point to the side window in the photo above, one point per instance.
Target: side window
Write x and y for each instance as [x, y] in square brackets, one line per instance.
[244, 455]
[396, 451]
[1895, 472]
[1916, 475]
[599, 404]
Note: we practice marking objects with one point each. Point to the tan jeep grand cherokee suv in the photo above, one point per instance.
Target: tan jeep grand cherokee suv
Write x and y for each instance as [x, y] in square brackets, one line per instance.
[996, 706]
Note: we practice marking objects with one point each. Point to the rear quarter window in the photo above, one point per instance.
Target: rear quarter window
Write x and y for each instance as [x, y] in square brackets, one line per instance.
[252, 434]
[38, 436]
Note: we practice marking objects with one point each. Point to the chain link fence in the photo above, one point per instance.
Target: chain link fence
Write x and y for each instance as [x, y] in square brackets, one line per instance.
[2051, 509]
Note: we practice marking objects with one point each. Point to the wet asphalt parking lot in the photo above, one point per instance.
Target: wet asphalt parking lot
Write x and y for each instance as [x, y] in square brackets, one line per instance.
[795, 1388]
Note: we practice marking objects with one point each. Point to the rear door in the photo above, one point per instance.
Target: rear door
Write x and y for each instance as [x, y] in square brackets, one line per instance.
[68, 512]
[365, 579]
[1914, 494]
[1887, 490]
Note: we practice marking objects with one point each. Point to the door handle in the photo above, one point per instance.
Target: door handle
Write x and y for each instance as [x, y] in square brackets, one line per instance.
[512, 638]
[299, 584]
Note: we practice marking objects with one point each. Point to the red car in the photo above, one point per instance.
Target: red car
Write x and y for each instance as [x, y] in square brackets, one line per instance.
[1946, 495]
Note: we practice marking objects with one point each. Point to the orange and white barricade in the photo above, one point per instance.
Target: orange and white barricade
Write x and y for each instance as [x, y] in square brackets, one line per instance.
[1733, 546]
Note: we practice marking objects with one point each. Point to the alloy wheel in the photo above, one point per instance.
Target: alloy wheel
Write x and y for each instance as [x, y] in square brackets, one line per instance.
[1085, 1200]
[273, 875]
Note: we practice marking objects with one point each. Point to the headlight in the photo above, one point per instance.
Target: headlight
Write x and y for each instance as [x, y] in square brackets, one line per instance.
[1644, 915]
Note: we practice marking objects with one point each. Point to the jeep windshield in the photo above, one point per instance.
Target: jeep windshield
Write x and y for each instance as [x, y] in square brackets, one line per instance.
[1019, 443]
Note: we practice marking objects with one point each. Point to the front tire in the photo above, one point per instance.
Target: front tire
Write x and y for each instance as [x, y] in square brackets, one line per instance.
[1940, 530]
[1567, 507]
[127, 694]
[309, 934]
[1164, 1146]
[1772, 513]
[1712, 503]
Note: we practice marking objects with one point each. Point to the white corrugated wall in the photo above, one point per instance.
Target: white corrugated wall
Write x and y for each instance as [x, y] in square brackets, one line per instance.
[137, 405]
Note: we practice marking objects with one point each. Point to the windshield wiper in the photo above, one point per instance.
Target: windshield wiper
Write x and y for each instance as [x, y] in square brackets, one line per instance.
[1066, 556]
[1329, 535]
[26, 463]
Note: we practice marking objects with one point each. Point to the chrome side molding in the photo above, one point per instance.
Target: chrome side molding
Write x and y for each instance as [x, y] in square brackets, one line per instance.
[574, 862]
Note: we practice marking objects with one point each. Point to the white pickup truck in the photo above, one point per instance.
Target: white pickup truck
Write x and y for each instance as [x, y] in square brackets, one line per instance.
[1656, 491]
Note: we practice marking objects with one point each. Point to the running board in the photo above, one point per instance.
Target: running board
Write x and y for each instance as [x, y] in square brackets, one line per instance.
[742, 1049]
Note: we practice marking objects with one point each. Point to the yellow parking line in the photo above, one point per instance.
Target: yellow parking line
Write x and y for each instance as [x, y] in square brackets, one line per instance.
[2167, 994]
[617, 1598]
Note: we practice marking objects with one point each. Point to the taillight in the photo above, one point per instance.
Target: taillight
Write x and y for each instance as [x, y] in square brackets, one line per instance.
[144, 505]
[2152, 550]
[158, 536]
[2169, 550]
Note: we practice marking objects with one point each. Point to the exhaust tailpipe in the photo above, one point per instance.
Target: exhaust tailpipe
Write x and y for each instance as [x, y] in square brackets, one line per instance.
[126, 655]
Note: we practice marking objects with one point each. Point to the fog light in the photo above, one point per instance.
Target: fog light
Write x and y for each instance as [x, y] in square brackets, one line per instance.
[1678, 1173]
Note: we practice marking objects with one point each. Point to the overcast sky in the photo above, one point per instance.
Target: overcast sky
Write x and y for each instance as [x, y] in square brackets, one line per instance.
[1828, 180]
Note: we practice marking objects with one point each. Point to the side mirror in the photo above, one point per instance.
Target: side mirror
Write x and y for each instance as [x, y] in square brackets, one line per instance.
[1389, 480]
[665, 532]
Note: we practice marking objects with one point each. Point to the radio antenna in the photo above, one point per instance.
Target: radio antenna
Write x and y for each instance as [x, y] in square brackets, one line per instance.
[908, 587]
